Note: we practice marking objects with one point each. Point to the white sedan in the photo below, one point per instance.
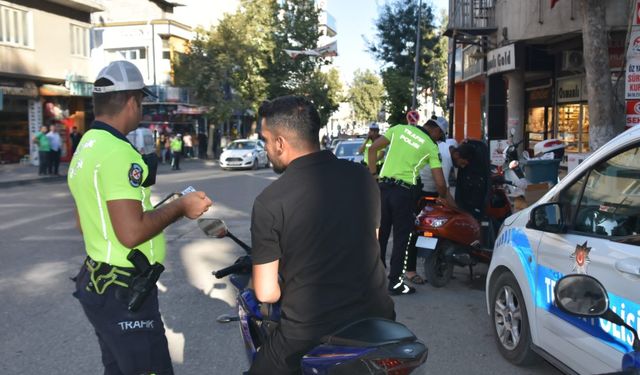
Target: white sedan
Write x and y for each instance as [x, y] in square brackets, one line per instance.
[244, 153]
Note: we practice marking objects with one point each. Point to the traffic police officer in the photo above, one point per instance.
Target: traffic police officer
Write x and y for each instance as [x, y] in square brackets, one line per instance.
[110, 183]
[374, 133]
[410, 149]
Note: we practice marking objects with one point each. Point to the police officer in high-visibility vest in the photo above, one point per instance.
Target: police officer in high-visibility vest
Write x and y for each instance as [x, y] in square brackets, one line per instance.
[410, 149]
[176, 151]
[110, 182]
[374, 133]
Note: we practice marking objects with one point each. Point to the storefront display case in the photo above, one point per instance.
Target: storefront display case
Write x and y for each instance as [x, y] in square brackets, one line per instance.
[536, 126]
[573, 126]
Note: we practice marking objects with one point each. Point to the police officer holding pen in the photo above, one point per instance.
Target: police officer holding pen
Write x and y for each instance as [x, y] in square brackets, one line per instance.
[110, 182]
[411, 148]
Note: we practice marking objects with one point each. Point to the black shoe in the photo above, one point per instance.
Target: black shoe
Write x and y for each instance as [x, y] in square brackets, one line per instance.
[400, 289]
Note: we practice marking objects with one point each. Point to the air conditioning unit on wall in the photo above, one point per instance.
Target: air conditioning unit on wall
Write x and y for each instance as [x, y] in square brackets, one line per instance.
[572, 61]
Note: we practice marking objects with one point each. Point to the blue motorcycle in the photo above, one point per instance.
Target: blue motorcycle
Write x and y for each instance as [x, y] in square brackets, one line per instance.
[368, 346]
[584, 296]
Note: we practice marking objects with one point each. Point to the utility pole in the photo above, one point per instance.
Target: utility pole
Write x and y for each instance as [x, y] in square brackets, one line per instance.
[415, 68]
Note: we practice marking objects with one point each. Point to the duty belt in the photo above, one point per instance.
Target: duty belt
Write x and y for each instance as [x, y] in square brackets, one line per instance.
[102, 275]
[393, 181]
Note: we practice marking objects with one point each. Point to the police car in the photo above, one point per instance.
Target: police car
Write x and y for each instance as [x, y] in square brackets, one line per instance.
[589, 223]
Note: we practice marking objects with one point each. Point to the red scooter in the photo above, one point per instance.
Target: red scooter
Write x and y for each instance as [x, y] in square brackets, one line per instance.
[462, 236]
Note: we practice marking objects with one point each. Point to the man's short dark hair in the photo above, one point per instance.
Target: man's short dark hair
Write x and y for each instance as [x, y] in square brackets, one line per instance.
[111, 103]
[466, 151]
[292, 113]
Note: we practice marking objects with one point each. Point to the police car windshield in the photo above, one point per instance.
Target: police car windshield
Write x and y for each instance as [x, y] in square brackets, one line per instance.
[242, 146]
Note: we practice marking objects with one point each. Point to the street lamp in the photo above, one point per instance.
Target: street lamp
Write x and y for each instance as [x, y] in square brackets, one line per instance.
[415, 68]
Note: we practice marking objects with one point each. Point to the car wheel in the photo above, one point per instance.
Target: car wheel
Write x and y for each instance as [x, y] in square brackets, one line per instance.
[255, 164]
[437, 268]
[510, 321]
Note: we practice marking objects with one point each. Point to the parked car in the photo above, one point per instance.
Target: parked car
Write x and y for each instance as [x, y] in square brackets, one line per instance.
[589, 223]
[348, 149]
[244, 153]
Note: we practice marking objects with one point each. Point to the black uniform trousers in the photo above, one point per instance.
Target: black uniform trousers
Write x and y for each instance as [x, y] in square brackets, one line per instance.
[132, 343]
[280, 355]
[43, 162]
[398, 205]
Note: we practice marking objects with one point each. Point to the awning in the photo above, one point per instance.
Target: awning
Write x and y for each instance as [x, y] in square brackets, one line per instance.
[53, 90]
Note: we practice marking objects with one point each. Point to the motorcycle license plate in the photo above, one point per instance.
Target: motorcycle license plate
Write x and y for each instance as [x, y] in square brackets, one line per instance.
[427, 242]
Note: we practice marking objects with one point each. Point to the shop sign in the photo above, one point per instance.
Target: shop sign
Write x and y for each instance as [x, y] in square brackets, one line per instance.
[540, 97]
[458, 63]
[472, 66]
[633, 50]
[570, 90]
[636, 18]
[633, 113]
[501, 59]
[35, 122]
[632, 79]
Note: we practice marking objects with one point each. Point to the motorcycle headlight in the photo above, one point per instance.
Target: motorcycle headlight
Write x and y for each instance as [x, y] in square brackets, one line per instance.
[434, 222]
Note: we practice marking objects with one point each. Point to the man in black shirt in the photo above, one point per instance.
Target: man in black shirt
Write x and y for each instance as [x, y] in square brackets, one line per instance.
[315, 226]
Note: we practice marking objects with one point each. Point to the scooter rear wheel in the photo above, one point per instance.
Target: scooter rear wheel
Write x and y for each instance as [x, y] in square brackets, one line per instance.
[437, 268]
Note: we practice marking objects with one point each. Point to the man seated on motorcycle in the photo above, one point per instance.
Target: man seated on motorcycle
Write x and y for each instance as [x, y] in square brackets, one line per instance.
[315, 227]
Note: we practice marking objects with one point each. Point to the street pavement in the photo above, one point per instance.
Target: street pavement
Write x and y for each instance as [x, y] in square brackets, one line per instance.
[43, 330]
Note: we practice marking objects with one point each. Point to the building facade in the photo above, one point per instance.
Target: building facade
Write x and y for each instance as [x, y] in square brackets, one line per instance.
[45, 72]
[519, 64]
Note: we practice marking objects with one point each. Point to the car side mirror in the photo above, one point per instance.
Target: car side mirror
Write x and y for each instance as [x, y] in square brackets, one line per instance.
[547, 218]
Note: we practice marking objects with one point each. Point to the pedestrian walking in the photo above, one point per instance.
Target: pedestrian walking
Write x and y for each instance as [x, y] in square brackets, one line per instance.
[176, 151]
[110, 182]
[410, 149]
[56, 148]
[44, 147]
[188, 145]
[75, 137]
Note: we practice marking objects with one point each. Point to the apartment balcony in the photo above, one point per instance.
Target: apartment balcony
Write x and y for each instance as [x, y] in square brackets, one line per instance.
[475, 17]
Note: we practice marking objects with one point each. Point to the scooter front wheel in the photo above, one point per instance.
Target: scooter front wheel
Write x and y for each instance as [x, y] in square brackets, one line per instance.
[437, 268]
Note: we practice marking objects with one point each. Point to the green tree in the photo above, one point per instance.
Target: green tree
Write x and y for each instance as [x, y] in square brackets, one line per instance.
[241, 61]
[365, 95]
[395, 47]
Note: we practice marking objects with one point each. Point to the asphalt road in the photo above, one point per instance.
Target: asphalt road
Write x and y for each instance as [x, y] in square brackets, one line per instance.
[43, 330]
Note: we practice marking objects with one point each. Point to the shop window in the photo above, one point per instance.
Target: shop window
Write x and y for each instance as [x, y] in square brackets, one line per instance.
[132, 53]
[15, 27]
[79, 41]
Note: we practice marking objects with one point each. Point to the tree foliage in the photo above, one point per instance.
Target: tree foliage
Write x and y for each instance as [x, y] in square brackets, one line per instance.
[395, 47]
[241, 61]
[365, 95]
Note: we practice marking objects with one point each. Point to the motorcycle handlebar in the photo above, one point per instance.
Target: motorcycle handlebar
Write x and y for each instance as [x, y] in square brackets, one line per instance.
[242, 265]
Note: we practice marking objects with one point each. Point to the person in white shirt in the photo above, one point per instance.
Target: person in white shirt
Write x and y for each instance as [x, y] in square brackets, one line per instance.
[56, 146]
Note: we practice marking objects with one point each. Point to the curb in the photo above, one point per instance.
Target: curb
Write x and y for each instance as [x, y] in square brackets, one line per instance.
[32, 181]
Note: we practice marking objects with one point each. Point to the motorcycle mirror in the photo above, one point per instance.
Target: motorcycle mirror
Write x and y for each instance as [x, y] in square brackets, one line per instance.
[585, 296]
[213, 227]
[581, 295]
[512, 131]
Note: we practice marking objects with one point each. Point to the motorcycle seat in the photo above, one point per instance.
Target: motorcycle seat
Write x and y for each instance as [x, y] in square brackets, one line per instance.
[369, 333]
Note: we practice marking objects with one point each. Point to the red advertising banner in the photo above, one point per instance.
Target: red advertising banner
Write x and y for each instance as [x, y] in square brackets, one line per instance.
[633, 113]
